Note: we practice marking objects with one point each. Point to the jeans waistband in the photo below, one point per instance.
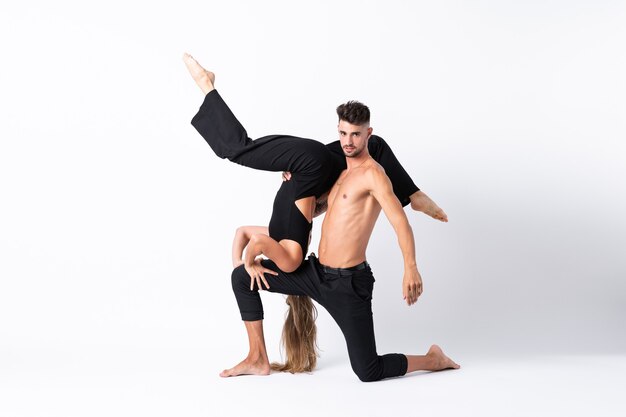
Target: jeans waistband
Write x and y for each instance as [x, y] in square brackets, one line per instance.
[341, 271]
[338, 271]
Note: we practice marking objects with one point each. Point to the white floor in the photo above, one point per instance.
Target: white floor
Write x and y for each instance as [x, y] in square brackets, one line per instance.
[185, 383]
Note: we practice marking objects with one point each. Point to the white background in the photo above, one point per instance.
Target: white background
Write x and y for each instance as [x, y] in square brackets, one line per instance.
[116, 218]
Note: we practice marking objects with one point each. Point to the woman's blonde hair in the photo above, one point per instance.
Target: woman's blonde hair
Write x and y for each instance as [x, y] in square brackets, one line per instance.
[299, 336]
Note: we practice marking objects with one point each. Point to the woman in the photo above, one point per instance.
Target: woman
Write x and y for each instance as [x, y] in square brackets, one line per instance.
[314, 168]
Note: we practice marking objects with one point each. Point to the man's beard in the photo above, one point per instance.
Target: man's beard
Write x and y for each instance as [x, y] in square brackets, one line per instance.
[355, 153]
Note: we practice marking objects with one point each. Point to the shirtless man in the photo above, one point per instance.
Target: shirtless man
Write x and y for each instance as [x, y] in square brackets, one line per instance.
[341, 280]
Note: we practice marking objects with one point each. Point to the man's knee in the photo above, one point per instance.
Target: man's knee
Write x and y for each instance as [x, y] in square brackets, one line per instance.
[366, 376]
[385, 366]
[368, 372]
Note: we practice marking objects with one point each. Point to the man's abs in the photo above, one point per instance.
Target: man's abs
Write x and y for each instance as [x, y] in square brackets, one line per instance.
[346, 231]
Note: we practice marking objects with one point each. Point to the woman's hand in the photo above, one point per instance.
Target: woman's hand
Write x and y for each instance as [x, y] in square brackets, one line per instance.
[242, 237]
[256, 272]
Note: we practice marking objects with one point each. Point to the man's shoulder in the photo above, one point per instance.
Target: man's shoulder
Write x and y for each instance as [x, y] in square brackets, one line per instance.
[374, 176]
[374, 170]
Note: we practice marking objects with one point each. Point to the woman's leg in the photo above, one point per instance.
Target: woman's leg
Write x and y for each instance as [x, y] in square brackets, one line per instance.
[303, 282]
[227, 137]
[205, 79]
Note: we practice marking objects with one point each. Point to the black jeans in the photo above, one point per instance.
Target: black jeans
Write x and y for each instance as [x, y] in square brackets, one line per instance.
[345, 293]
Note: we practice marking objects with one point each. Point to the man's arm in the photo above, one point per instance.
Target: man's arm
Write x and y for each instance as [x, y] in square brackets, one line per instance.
[382, 191]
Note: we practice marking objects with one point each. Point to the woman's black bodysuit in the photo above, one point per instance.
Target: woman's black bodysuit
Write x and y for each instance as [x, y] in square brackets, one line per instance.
[314, 166]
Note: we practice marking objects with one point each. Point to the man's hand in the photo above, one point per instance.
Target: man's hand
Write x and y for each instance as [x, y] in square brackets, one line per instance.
[411, 286]
[286, 175]
[256, 272]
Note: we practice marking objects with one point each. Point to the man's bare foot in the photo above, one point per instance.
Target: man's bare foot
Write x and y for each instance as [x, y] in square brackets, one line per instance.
[439, 360]
[205, 79]
[421, 202]
[248, 367]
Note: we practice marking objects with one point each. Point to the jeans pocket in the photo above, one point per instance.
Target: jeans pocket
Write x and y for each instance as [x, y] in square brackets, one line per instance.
[362, 287]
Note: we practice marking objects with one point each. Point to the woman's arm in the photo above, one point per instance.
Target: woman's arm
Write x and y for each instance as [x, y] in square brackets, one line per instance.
[287, 255]
[242, 237]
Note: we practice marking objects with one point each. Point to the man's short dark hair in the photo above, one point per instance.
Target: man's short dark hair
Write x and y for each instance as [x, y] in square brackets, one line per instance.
[354, 112]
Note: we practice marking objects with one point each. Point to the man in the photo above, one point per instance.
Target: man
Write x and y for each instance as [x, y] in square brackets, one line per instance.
[341, 280]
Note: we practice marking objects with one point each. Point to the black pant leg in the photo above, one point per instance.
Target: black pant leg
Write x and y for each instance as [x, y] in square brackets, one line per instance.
[403, 185]
[219, 127]
[229, 140]
[302, 281]
[348, 300]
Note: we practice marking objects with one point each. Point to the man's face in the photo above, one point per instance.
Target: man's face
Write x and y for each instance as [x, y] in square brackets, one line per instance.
[353, 138]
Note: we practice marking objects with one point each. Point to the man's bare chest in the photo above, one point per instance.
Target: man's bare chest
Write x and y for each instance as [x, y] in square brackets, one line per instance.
[348, 196]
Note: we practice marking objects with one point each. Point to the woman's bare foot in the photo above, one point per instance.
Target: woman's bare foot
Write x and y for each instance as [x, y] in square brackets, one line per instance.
[439, 360]
[205, 79]
[248, 366]
[421, 202]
